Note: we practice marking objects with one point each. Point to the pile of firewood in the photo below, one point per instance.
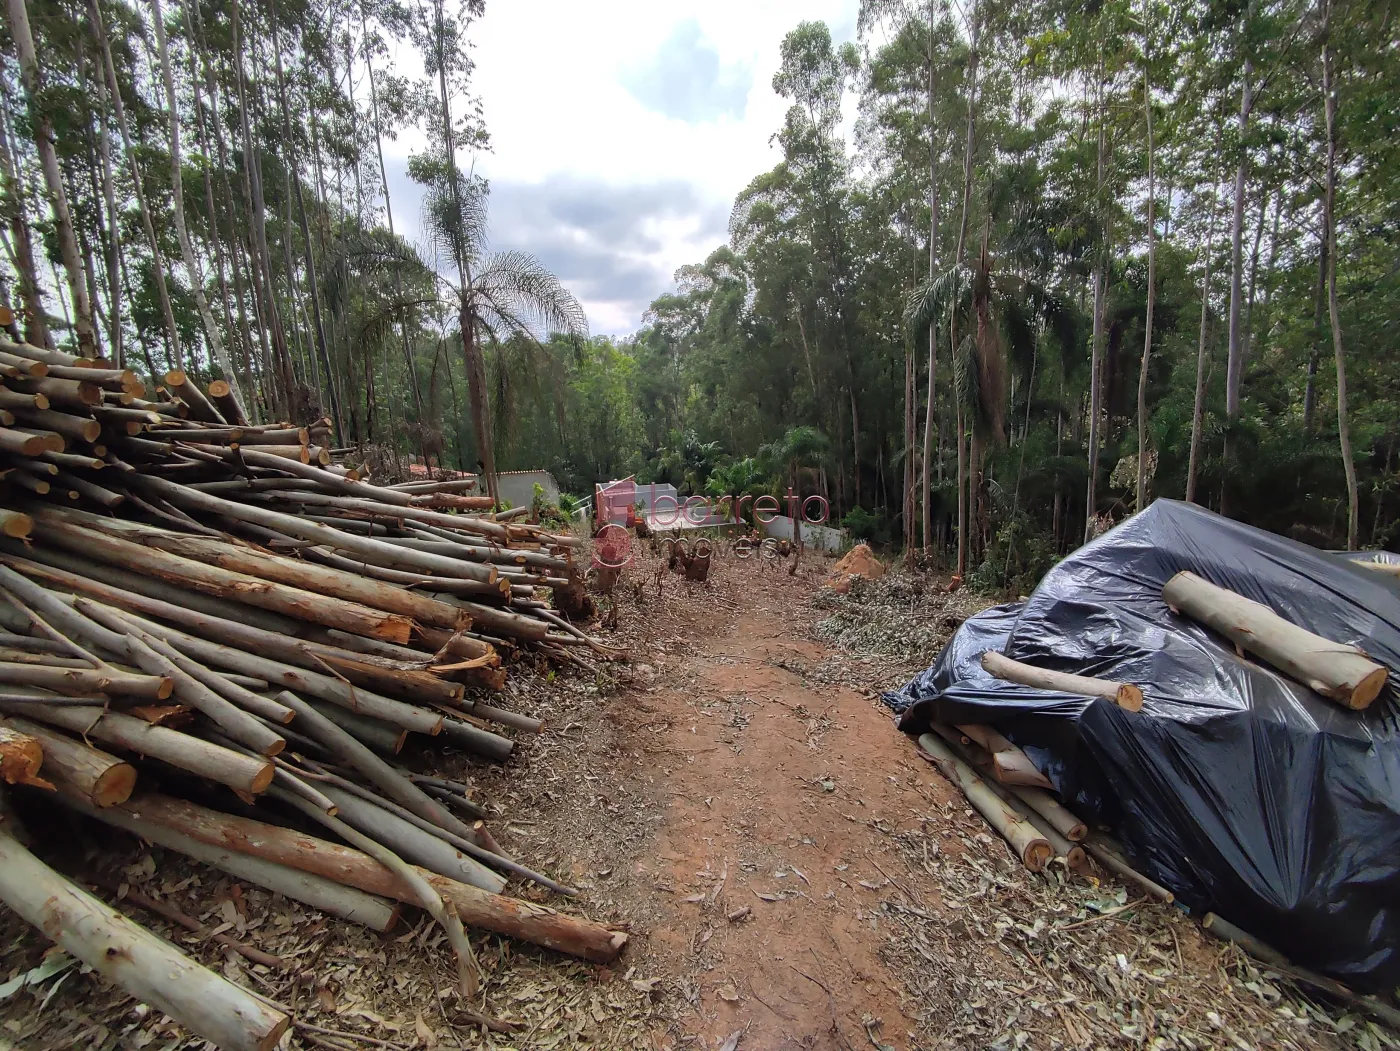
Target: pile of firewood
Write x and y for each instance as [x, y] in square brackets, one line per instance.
[222, 608]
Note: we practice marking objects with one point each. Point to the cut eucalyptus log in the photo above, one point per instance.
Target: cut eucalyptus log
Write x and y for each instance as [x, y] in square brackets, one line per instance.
[102, 779]
[131, 734]
[1340, 672]
[494, 912]
[1125, 695]
[132, 958]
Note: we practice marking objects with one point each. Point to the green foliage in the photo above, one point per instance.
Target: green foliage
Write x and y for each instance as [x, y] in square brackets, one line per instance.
[872, 528]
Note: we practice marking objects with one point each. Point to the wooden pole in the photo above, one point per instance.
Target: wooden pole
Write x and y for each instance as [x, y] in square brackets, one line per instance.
[1125, 695]
[1025, 839]
[184, 751]
[1339, 672]
[376, 913]
[131, 957]
[513, 917]
[101, 779]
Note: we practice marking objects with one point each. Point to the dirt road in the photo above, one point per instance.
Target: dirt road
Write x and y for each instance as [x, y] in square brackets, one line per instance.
[811, 884]
[773, 852]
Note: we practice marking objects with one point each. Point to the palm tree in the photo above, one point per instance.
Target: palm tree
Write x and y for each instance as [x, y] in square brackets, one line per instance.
[1002, 314]
[500, 296]
[801, 447]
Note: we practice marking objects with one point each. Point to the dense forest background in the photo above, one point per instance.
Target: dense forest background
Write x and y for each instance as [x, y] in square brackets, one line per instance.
[1070, 257]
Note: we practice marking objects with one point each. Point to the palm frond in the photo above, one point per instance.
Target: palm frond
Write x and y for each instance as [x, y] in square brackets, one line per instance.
[454, 220]
[932, 301]
[517, 286]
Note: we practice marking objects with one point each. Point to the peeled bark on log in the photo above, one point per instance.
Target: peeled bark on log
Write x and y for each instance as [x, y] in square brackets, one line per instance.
[131, 957]
[375, 506]
[128, 581]
[87, 680]
[21, 756]
[1025, 839]
[514, 917]
[318, 579]
[328, 557]
[280, 598]
[1053, 811]
[180, 750]
[1125, 695]
[314, 684]
[295, 525]
[101, 779]
[1010, 765]
[372, 911]
[411, 843]
[1339, 672]
[156, 656]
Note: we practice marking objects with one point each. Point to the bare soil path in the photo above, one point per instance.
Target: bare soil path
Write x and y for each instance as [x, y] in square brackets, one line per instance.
[771, 854]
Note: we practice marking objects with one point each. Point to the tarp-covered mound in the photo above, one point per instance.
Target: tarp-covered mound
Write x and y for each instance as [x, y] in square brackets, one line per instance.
[1243, 791]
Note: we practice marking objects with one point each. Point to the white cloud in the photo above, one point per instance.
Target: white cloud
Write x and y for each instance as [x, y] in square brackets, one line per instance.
[621, 132]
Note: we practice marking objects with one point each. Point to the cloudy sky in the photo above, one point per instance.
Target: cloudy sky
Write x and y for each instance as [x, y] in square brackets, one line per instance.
[621, 131]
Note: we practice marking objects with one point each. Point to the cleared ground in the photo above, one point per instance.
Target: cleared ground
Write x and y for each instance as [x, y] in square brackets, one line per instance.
[794, 876]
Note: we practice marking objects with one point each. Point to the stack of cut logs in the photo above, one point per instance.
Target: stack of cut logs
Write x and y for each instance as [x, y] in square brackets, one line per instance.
[257, 628]
[1007, 789]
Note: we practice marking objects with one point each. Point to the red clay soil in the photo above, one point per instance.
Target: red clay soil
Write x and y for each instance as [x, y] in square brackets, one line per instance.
[767, 849]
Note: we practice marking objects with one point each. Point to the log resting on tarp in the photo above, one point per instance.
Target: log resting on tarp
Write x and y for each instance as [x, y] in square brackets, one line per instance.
[1236, 787]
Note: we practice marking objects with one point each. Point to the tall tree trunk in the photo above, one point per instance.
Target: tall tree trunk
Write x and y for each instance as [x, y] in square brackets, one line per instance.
[964, 496]
[389, 217]
[157, 258]
[36, 325]
[32, 80]
[1234, 366]
[933, 206]
[910, 394]
[284, 377]
[471, 347]
[1096, 351]
[177, 193]
[115, 333]
[1315, 355]
[1151, 259]
[1329, 224]
[259, 361]
[1202, 358]
[313, 285]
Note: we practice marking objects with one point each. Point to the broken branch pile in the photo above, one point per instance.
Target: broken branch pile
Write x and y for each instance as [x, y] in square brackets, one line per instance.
[196, 602]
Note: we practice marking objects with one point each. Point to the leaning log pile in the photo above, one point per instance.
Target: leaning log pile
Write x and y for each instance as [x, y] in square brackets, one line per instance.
[214, 636]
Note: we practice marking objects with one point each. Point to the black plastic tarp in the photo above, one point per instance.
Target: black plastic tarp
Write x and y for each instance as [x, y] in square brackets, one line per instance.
[1243, 791]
